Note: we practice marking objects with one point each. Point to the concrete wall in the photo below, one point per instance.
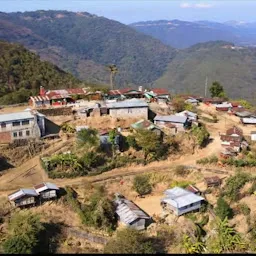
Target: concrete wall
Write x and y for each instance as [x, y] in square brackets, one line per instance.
[189, 208]
[34, 128]
[140, 112]
[138, 224]
[5, 137]
[253, 137]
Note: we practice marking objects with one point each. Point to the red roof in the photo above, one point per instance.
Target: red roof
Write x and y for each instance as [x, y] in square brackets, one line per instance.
[160, 91]
[192, 189]
[234, 130]
[238, 109]
[124, 91]
[235, 104]
[231, 138]
[76, 91]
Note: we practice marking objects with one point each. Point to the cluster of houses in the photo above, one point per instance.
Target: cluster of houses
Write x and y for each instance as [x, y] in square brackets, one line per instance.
[232, 142]
[33, 196]
[234, 108]
[177, 201]
[64, 97]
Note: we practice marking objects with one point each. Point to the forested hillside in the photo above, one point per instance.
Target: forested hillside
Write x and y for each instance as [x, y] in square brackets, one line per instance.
[22, 73]
[85, 44]
[233, 68]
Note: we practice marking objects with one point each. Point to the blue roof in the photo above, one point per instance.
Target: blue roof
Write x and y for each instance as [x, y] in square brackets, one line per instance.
[171, 118]
[179, 197]
[16, 116]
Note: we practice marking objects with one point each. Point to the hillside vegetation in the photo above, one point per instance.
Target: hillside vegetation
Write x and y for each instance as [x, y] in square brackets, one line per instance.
[235, 69]
[84, 44]
[22, 73]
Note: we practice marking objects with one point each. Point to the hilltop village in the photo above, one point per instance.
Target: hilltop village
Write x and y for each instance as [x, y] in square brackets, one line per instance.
[174, 167]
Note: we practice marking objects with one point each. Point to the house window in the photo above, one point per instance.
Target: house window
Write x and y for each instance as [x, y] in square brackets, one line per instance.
[15, 123]
[15, 134]
[3, 125]
[20, 134]
[27, 133]
[26, 122]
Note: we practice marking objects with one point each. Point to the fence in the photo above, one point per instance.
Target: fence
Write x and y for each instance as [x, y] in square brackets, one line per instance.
[88, 236]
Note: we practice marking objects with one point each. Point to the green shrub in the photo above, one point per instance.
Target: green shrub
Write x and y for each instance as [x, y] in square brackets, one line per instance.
[141, 184]
[131, 142]
[129, 241]
[244, 209]
[234, 184]
[213, 159]
[180, 170]
[182, 184]
[252, 189]
[223, 210]
[23, 237]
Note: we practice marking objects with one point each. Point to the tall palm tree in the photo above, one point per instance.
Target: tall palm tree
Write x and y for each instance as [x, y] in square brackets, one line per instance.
[112, 68]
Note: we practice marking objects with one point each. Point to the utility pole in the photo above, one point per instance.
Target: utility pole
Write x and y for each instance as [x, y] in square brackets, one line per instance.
[205, 89]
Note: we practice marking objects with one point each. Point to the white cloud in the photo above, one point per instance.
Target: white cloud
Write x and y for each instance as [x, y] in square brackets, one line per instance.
[186, 5]
[203, 5]
[196, 6]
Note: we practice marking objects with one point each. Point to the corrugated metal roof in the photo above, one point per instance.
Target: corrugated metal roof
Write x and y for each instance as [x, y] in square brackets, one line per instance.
[128, 211]
[234, 130]
[244, 114]
[144, 124]
[249, 120]
[44, 186]
[190, 100]
[187, 113]
[22, 192]
[179, 197]
[133, 103]
[172, 118]
[224, 105]
[16, 116]
[160, 91]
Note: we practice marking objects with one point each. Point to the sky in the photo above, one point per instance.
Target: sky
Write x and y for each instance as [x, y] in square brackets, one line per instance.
[128, 11]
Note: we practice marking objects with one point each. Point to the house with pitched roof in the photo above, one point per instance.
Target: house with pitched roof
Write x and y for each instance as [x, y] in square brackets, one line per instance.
[46, 190]
[180, 201]
[233, 139]
[146, 125]
[180, 122]
[23, 197]
[130, 215]
[132, 108]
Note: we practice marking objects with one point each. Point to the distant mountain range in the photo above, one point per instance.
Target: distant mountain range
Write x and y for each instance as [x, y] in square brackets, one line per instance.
[85, 44]
[183, 34]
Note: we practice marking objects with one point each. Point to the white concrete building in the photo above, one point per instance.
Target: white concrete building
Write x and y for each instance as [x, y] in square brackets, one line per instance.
[180, 201]
[21, 125]
[133, 108]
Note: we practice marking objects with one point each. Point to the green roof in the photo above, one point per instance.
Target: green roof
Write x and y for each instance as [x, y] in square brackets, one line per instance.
[144, 124]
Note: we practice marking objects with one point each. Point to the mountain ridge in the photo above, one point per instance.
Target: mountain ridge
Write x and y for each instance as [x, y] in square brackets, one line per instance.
[82, 41]
[183, 34]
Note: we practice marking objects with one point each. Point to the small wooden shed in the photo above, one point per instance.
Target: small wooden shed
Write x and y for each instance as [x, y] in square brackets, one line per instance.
[212, 181]
[46, 190]
[24, 197]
